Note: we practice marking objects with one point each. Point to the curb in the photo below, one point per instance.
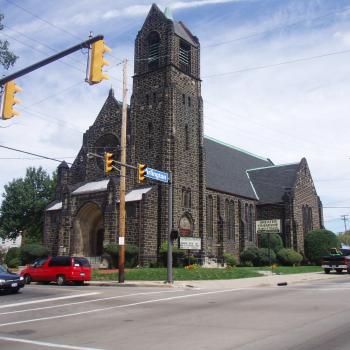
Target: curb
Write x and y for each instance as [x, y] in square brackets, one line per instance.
[263, 281]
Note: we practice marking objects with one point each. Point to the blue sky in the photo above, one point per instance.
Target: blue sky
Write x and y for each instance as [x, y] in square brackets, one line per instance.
[283, 111]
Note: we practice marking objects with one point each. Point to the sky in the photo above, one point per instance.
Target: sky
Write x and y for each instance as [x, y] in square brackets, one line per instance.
[276, 80]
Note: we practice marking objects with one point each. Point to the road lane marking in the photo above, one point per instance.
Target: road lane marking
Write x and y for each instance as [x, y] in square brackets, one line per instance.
[122, 306]
[48, 300]
[50, 345]
[87, 301]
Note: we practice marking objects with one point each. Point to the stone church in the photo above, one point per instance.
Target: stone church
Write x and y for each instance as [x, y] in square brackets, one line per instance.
[219, 191]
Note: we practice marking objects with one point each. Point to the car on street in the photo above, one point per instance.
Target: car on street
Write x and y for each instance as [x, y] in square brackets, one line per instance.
[11, 282]
[60, 269]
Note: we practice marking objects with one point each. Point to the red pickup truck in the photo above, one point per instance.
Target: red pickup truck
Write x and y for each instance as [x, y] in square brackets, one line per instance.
[338, 260]
[60, 269]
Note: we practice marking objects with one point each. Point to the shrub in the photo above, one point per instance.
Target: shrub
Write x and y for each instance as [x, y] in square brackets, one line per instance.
[318, 243]
[31, 252]
[276, 243]
[131, 254]
[13, 263]
[3, 252]
[112, 250]
[289, 257]
[12, 255]
[179, 257]
[230, 259]
[257, 256]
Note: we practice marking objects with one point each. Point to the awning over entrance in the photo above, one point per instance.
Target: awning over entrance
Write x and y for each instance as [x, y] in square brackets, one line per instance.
[56, 206]
[136, 195]
[96, 186]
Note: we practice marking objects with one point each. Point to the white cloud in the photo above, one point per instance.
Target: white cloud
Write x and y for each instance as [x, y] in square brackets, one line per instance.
[284, 113]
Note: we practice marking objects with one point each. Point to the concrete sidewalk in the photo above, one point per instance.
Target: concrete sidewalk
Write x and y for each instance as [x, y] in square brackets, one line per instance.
[263, 281]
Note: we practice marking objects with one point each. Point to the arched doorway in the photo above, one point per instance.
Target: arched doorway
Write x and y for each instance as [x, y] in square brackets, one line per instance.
[88, 231]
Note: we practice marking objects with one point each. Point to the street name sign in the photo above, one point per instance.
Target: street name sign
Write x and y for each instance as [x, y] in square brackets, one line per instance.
[268, 226]
[193, 243]
[156, 175]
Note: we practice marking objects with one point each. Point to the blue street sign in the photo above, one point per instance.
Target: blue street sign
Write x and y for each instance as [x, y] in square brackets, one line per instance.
[156, 175]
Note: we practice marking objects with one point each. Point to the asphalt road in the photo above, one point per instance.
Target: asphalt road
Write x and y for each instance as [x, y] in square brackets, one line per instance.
[313, 315]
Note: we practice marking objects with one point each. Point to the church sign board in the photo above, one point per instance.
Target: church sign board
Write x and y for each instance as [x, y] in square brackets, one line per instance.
[193, 243]
[268, 226]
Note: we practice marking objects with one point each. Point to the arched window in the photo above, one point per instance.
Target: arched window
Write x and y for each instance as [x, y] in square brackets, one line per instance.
[187, 138]
[231, 221]
[310, 219]
[153, 50]
[209, 216]
[183, 197]
[189, 199]
[250, 223]
[246, 221]
[307, 218]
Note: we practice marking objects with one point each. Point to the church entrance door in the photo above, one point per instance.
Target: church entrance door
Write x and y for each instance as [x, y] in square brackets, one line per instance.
[88, 231]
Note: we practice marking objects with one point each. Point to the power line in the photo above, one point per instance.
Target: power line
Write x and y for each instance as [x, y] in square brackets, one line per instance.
[51, 24]
[32, 154]
[27, 158]
[303, 59]
[249, 36]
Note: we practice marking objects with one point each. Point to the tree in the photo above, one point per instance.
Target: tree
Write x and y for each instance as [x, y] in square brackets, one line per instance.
[318, 243]
[344, 238]
[22, 209]
[7, 58]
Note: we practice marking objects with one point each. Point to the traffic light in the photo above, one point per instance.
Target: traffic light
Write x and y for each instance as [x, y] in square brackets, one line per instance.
[97, 62]
[141, 172]
[9, 100]
[108, 157]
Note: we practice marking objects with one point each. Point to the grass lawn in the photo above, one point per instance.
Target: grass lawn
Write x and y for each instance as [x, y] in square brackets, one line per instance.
[181, 274]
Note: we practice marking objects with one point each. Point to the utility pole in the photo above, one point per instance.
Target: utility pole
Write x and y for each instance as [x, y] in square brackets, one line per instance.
[121, 257]
[344, 218]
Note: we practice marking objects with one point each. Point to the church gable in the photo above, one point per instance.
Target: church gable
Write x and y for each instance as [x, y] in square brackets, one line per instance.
[102, 136]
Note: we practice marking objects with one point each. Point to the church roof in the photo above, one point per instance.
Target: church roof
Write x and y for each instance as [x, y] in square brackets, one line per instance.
[181, 30]
[226, 168]
[95, 186]
[271, 182]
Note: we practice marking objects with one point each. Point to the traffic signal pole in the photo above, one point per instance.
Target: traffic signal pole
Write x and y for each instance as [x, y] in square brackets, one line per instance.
[83, 45]
[170, 225]
[121, 255]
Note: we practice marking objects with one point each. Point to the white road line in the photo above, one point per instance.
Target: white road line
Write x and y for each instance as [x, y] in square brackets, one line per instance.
[50, 345]
[88, 301]
[122, 306]
[48, 300]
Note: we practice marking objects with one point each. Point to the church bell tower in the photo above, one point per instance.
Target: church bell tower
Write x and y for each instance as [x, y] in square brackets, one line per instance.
[167, 118]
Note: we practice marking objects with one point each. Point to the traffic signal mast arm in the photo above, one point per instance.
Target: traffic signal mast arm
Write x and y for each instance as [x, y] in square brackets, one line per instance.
[85, 44]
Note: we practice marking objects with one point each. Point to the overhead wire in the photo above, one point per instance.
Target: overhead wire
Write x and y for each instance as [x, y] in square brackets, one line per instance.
[33, 154]
[50, 23]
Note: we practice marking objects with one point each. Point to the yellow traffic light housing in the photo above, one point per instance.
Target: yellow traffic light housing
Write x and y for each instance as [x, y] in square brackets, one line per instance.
[9, 100]
[108, 158]
[141, 172]
[97, 62]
